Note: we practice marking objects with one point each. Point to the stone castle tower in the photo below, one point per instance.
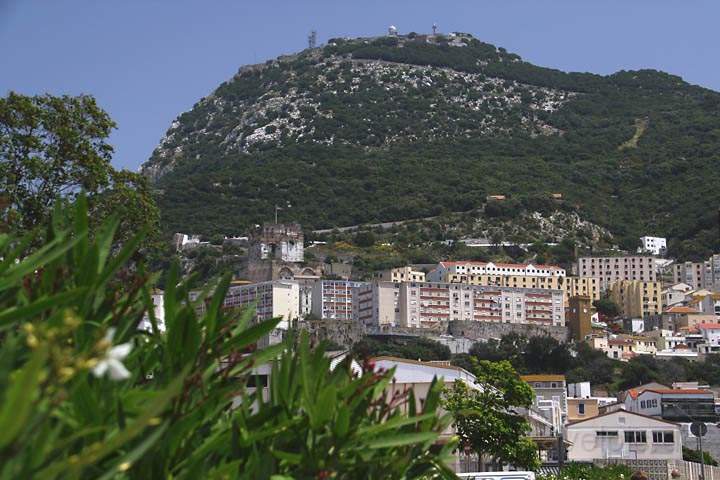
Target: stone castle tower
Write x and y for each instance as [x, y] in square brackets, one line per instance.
[277, 252]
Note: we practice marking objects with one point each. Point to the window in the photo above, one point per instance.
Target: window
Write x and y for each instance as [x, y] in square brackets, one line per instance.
[581, 409]
[606, 433]
[663, 437]
[642, 404]
[635, 437]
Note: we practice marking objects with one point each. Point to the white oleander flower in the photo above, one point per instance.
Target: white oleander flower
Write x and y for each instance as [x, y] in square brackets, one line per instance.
[112, 363]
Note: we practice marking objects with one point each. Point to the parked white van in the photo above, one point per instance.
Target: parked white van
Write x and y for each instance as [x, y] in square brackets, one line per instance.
[497, 475]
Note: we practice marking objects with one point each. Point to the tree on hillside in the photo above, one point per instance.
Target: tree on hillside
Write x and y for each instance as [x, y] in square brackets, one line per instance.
[544, 354]
[423, 349]
[510, 347]
[54, 147]
[607, 307]
[485, 418]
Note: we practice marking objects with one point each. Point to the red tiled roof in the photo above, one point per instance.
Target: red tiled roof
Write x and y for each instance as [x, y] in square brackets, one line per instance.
[708, 326]
[504, 265]
[681, 309]
[634, 392]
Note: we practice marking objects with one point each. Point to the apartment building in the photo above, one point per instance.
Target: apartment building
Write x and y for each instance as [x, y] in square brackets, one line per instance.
[429, 305]
[375, 305]
[278, 298]
[699, 274]
[690, 273]
[444, 270]
[333, 299]
[582, 287]
[637, 298]
[400, 274]
[613, 269]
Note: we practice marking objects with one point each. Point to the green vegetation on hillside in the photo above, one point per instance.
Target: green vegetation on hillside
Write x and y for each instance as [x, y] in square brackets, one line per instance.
[369, 131]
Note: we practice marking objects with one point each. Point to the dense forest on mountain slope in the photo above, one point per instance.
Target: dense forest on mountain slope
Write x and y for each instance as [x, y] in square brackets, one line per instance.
[368, 130]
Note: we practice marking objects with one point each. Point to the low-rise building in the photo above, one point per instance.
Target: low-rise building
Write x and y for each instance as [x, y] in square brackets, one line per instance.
[637, 298]
[623, 434]
[549, 388]
[681, 317]
[678, 405]
[400, 274]
[582, 408]
[624, 347]
[654, 245]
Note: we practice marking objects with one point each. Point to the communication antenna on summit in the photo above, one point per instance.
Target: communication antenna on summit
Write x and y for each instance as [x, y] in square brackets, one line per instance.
[434, 28]
[312, 39]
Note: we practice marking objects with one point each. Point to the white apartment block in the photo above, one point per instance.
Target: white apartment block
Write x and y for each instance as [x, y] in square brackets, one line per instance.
[375, 305]
[613, 269]
[279, 298]
[429, 305]
[333, 299]
[446, 269]
[654, 245]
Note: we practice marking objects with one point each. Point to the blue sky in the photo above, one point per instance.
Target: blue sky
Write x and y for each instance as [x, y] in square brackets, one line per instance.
[148, 60]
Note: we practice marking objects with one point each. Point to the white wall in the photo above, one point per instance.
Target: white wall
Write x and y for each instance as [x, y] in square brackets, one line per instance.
[587, 445]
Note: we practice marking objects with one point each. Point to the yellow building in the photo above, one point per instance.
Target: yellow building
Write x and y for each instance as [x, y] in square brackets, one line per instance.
[582, 287]
[582, 408]
[636, 298]
[516, 281]
[400, 274]
[571, 286]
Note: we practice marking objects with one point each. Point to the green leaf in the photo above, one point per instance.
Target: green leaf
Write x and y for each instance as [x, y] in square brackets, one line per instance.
[20, 397]
[403, 439]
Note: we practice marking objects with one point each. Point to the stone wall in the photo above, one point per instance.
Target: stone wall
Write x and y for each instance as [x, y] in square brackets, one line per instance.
[487, 330]
[342, 332]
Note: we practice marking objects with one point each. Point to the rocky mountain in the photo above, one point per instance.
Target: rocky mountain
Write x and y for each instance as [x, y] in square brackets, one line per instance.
[389, 128]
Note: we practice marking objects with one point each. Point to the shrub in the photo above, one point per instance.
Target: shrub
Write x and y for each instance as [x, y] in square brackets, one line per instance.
[86, 393]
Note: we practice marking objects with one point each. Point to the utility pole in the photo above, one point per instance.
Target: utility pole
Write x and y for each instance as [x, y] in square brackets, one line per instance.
[702, 459]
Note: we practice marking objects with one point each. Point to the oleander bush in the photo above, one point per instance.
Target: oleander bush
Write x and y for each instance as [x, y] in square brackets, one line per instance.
[93, 386]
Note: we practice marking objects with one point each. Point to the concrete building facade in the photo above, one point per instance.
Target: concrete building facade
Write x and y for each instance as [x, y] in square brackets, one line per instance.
[400, 274]
[430, 305]
[637, 298]
[613, 269]
[279, 298]
[654, 245]
[444, 270]
[333, 299]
